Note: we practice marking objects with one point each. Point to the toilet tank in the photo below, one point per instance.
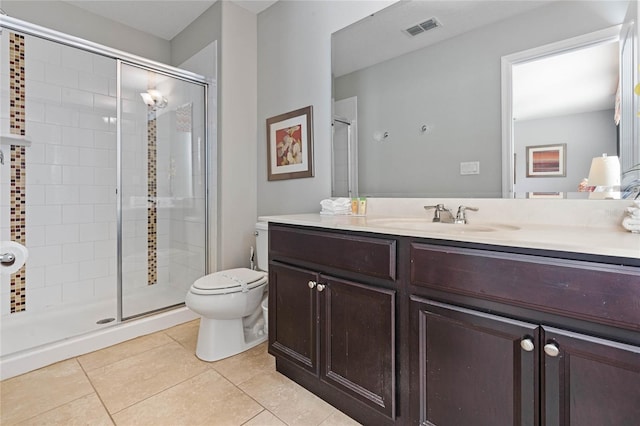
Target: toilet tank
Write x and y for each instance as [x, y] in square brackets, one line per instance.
[262, 245]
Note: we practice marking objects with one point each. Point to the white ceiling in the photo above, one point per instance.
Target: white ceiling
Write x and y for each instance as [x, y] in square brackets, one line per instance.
[161, 18]
[578, 81]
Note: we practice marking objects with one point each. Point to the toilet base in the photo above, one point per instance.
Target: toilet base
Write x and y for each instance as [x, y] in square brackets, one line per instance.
[218, 339]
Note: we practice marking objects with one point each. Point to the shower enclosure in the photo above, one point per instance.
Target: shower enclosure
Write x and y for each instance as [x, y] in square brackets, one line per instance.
[103, 181]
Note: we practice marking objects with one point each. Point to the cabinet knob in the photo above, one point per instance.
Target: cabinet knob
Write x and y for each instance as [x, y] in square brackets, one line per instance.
[320, 287]
[527, 344]
[551, 349]
[311, 284]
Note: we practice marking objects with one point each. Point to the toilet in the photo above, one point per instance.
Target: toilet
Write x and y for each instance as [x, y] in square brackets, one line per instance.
[229, 303]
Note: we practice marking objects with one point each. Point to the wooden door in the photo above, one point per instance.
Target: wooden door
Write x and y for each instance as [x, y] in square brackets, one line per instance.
[358, 341]
[590, 381]
[293, 315]
[470, 368]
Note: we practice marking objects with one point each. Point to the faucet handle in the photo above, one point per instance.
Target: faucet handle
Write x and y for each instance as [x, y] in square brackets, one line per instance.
[461, 217]
[437, 209]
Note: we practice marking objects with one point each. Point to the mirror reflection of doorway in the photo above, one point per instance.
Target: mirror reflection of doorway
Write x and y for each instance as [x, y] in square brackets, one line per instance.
[564, 93]
[344, 149]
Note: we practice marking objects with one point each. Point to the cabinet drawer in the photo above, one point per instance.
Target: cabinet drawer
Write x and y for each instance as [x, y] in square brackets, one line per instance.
[599, 293]
[375, 257]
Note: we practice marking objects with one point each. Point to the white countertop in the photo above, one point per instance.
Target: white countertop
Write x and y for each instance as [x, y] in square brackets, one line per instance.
[605, 241]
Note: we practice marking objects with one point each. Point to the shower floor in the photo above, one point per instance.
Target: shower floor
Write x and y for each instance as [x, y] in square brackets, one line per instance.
[27, 330]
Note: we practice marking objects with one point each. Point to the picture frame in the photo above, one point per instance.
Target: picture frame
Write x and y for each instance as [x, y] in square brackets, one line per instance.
[547, 160]
[290, 145]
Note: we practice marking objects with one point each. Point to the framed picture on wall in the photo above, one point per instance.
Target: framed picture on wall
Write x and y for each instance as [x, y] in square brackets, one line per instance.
[290, 145]
[547, 160]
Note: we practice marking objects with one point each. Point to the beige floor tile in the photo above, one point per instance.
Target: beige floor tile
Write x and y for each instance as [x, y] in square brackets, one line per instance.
[123, 350]
[186, 334]
[244, 366]
[87, 410]
[42, 390]
[266, 418]
[338, 418]
[287, 400]
[133, 379]
[207, 399]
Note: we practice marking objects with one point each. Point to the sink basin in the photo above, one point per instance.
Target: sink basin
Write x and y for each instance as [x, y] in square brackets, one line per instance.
[424, 224]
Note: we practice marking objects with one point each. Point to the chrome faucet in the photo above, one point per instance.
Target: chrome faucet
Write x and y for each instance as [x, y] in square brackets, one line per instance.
[461, 216]
[439, 211]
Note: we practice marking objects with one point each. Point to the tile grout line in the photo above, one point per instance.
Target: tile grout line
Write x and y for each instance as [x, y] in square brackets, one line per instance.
[96, 391]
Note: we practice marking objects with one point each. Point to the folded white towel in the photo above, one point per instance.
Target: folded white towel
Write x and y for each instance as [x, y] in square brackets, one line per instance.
[337, 206]
[631, 224]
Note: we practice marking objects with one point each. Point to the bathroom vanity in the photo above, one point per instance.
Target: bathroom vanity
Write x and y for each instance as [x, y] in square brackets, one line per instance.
[406, 326]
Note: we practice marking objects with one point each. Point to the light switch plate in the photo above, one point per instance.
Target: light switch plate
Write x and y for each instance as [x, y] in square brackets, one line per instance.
[470, 168]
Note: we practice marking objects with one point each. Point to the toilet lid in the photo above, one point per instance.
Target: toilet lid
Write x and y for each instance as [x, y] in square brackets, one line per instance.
[229, 281]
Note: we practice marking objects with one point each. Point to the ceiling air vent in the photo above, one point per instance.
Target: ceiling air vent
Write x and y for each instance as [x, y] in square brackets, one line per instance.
[427, 25]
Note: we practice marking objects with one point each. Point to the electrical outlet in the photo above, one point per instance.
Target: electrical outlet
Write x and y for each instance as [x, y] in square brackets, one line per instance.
[470, 168]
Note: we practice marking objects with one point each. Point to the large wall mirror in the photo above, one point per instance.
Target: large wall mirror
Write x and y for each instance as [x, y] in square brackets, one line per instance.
[420, 88]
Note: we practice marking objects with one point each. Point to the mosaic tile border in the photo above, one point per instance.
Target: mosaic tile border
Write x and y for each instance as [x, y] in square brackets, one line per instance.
[152, 193]
[18, 213]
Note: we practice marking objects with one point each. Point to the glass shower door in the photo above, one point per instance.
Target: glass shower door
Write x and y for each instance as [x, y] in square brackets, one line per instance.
[162, 189]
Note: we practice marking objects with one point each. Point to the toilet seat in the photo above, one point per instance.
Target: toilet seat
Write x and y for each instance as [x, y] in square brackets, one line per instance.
[229, 281]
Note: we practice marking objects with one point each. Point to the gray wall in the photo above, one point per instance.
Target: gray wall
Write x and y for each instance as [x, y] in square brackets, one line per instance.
[294, 71]
[453, 86]
[587, 135]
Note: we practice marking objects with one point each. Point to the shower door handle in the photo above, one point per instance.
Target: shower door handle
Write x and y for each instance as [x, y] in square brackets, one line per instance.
[7, 258]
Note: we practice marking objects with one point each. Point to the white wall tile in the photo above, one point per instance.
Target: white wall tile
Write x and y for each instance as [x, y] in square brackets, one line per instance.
[62, 155]
[97, 232]
[104, 213]
[93, 83]
[77, 137]
[61, 76]
[36, 152]
[77, 59]
[77, 252]
[105, 140]
[35, 110]
[34, 69]
[44, 50]
[106, 103]
[44, 133]
[106, 288]
[61, 115]
[62, 194]
[35, 195]
[105, 249]
[77, 175]
[61, 234]
[44, 256]
[35, 275]
[44, 215]
[98, 268]
[103, 66]
[77, 291]
[77, 213]
[44, 174]
[41, 91]
[61, 273]
[98, 195]
[104, 176]
[35, 235]
[77, 97]
[42, 298]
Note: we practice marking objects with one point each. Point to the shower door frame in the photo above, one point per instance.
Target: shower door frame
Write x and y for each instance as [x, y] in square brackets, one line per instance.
[9, 23]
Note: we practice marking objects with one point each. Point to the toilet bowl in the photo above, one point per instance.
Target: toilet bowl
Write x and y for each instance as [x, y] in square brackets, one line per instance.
[229, 303]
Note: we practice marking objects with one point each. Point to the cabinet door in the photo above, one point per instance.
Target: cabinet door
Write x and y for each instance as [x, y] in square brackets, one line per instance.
[358, 341]
[470, 368]
[293, 315]
[590, 381]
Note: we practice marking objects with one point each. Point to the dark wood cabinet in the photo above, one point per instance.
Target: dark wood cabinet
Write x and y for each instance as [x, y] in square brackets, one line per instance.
[471, 368]
[589, 381]
[402, 330]
[341, 331]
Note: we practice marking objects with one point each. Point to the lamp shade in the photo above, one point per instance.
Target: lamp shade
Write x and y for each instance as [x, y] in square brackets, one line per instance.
[605, 171]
